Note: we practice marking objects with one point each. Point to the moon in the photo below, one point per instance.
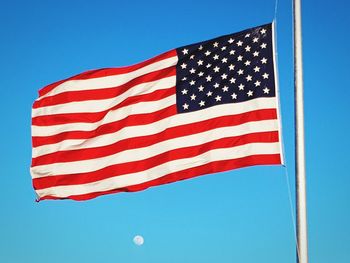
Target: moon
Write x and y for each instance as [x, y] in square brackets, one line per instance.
[138, 240]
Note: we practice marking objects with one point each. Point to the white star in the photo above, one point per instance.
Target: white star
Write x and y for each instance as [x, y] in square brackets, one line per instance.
[201, 103]
[200, 62]
[256, 69]
[224, 76]
[249, 78]
[218, 98]
[192, 57]
[250, 93]
[216, 69]
[183, 65]
[223, 48]
[256, 53]
[200, 47]
[231, 67]
[230, 40]
[200, 74]
[234, 96]
[225, 88]
[241, 86]
[208, 65]
[263, 31]
[200, 88]
[263, 45]
[239, 58]
[207, 53]
[184, 91]
[239, 43]
[266, 90]
[265, 75]
[209, 93]
[247, 63]
[264, 60]
[257, 83]
[185, 51]
[208, 78]
[185, 106]
[232, 80]
[216, 57]
[192, 82]
[216, 85]
[216, 44]
[184, 78]
[193, 97]
[192, 71]
[247, 48]
[255, 40]
[224, 60]
[240, 72]
[232, 52]
[247, 35]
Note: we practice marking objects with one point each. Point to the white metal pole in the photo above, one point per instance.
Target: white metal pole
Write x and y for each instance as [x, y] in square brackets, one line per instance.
[302, 243]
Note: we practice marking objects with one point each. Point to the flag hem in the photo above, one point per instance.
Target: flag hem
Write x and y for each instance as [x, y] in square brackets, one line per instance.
[277, 91]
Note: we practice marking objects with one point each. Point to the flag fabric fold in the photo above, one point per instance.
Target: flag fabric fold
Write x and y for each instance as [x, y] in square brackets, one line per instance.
[198, 109]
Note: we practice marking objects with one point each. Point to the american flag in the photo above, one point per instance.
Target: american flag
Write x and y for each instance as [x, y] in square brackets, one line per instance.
[198, 109]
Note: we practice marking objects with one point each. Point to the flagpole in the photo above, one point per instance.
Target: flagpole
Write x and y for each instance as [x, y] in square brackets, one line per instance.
[302, 243]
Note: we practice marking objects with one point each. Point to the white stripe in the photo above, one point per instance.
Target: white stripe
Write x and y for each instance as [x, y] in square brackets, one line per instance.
[155, 127]
[110, 81]
[162, 170]
[144, 107]
[105, 104]
[153, 150]
[111, 116]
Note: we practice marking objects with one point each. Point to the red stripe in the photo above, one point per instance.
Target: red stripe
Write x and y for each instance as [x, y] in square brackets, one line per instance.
[144, 141]
[209, 168]
[91, 117]
[142, 165]
[104, 93]
[131, 120]
[108, 71]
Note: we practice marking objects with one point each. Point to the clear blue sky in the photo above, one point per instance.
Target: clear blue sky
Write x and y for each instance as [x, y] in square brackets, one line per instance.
[240, 216]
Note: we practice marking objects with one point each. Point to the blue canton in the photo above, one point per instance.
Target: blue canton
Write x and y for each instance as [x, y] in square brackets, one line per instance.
[228, 69]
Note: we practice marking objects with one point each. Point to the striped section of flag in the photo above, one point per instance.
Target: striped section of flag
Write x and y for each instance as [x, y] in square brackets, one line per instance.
[120, 129]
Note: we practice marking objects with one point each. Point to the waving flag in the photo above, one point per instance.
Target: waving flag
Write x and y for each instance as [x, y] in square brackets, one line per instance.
[198, 109]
